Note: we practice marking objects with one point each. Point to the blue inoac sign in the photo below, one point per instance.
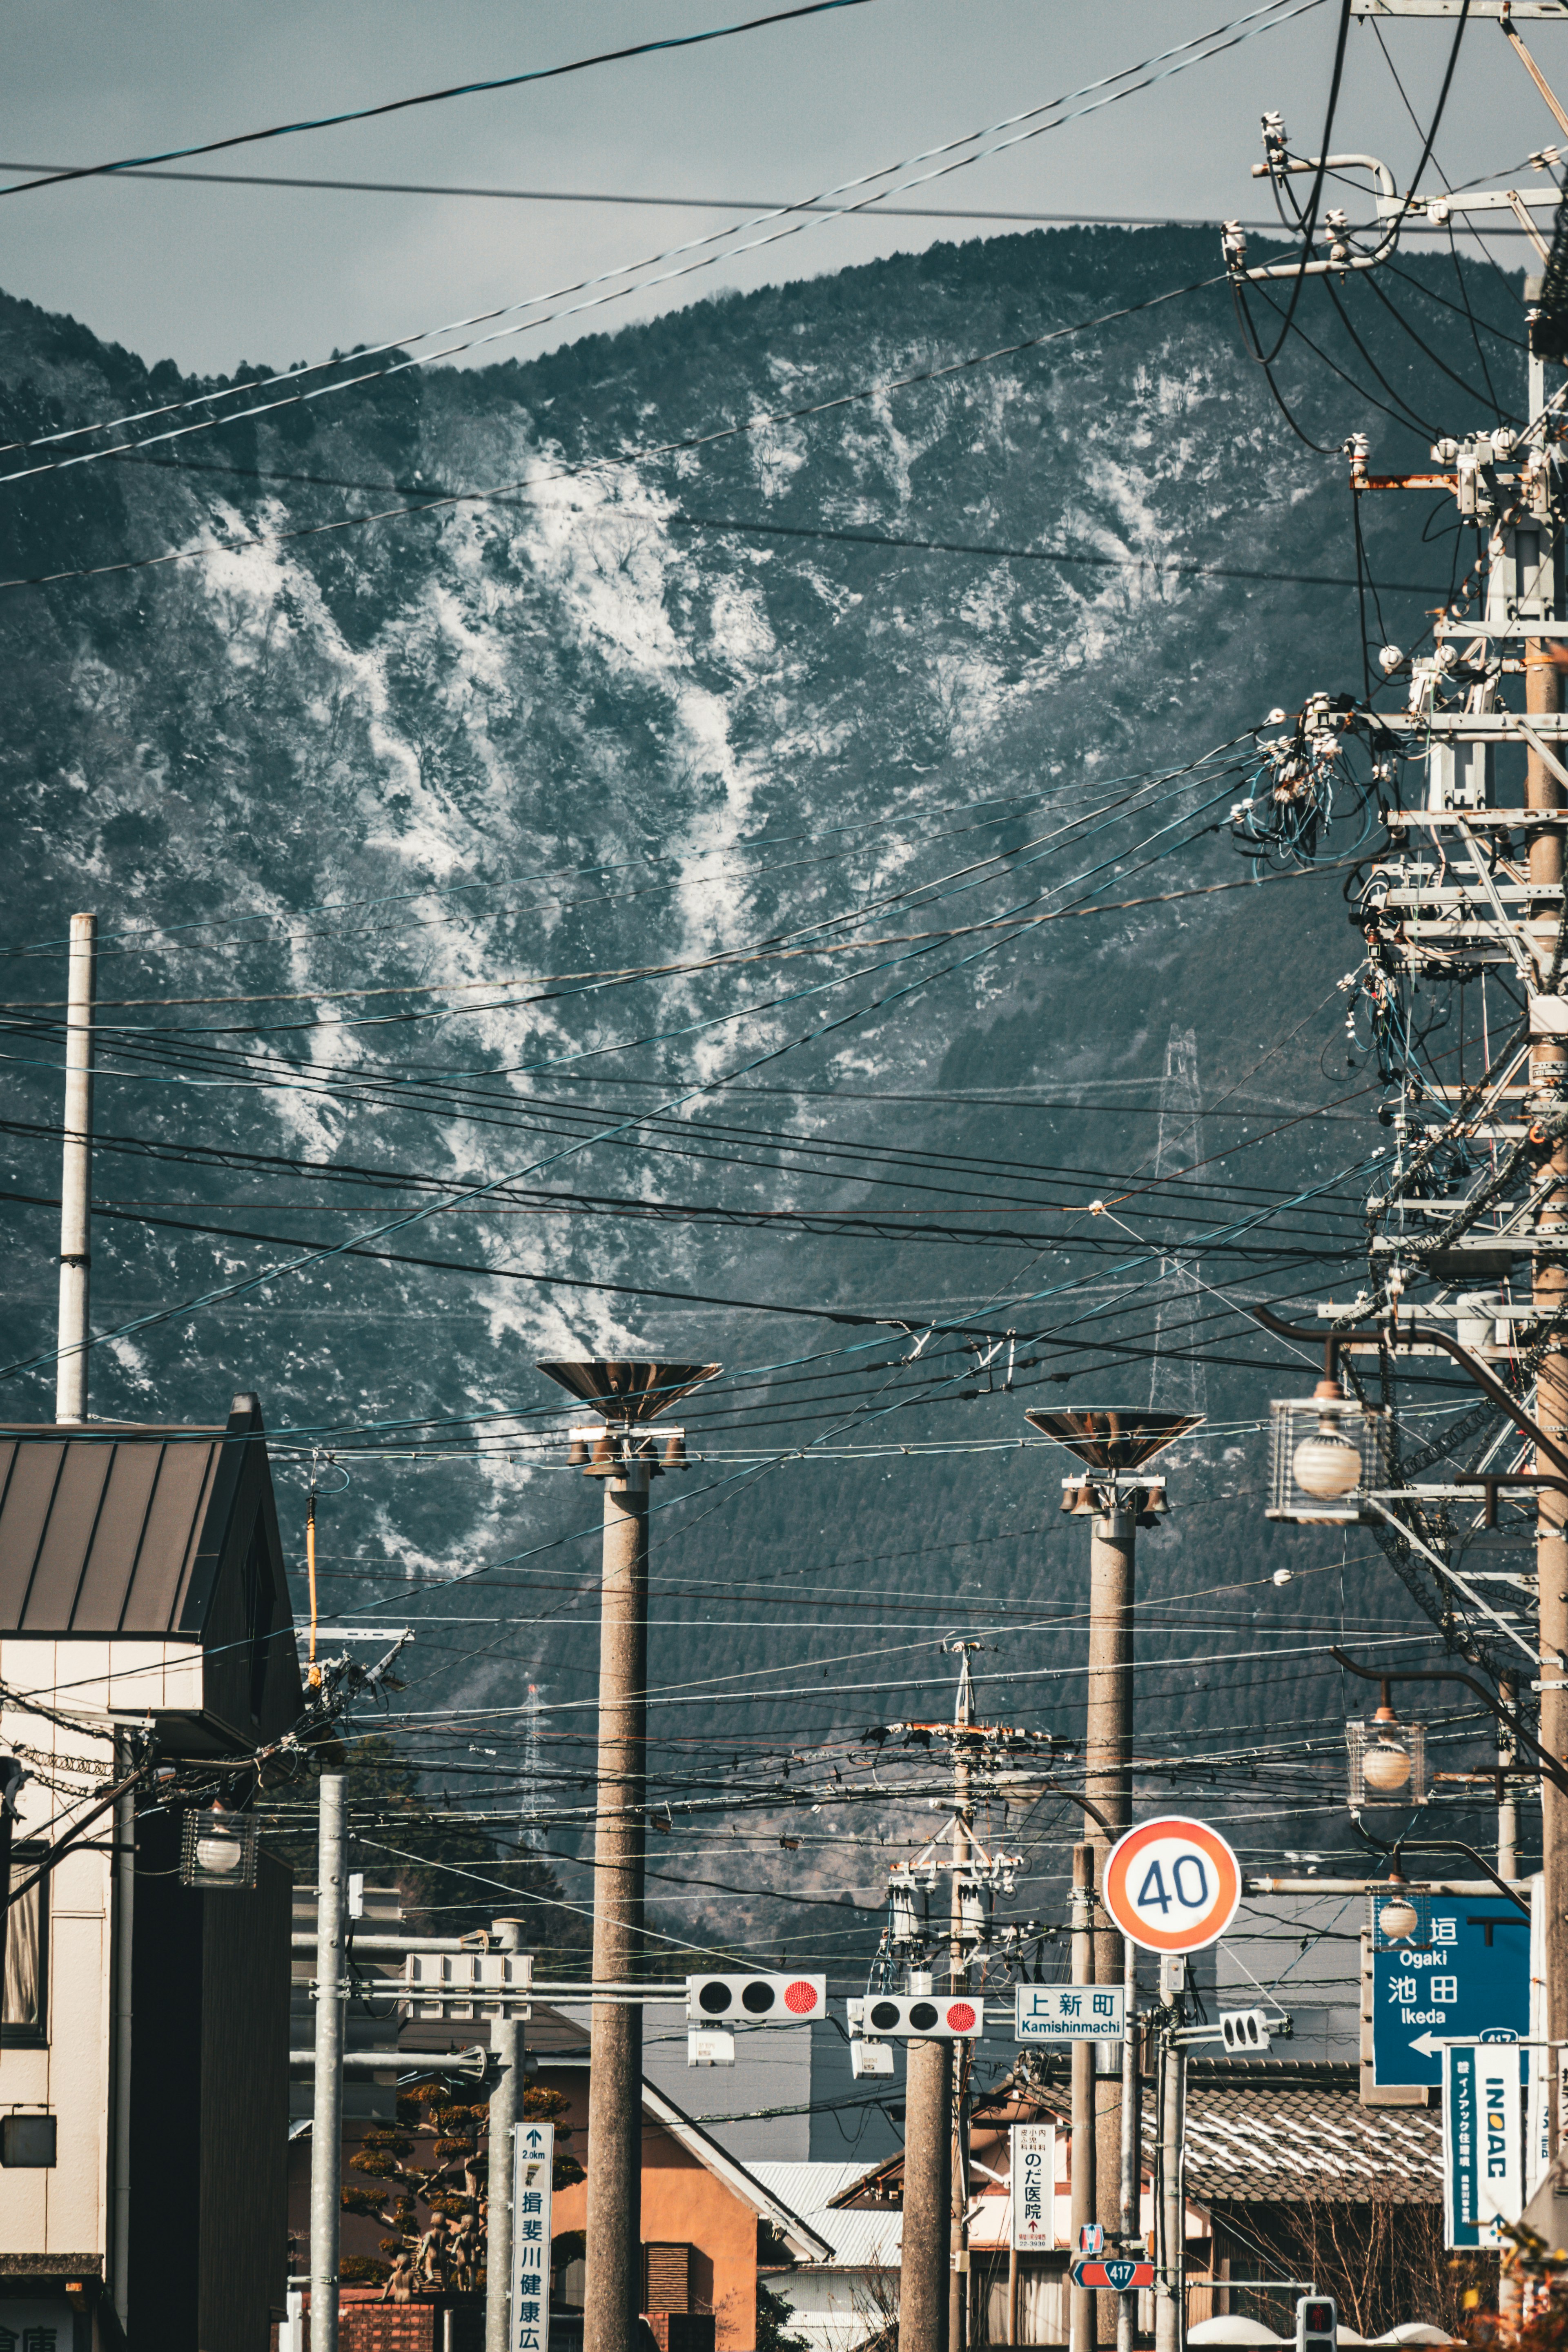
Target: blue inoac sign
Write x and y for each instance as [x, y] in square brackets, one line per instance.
[1468, 1976]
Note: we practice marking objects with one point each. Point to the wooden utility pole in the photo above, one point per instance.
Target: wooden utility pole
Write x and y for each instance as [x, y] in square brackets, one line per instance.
[924, 2259]
[76, 1173]
[958, 1981]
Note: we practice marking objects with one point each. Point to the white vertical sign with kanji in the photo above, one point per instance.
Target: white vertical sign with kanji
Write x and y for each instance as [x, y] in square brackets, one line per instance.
[534, 2159]
[1032, 2186]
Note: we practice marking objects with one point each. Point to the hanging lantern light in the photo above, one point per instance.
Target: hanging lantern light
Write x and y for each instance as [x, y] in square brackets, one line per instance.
[1388, 1760]
[1326, 1453]
[217, 1849]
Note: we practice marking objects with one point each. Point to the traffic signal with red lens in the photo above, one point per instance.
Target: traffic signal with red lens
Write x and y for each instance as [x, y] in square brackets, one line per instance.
[1317, 2324]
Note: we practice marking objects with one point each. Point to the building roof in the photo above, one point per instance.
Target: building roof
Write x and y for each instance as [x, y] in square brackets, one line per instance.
[857, 2239]
[1286, 2146]
[1287, 2141]
[803, 2240]
[115, 1529]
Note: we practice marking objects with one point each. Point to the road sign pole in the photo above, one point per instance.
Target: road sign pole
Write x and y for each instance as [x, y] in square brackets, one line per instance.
[1081, 2315]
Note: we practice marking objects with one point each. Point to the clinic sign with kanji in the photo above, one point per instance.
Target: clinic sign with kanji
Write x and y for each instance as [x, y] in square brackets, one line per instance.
[1467, 1975]
[531, 2173]
[1032, 2186]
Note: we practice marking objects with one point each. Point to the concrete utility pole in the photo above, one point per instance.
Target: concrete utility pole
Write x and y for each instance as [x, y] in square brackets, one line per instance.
[628, 1393]
[327, 2124]
[923, 2270]
[76, 1173]
[1548, 1087]
[1113, 1446]
[1107, 1781]
[505, 2108]
[1084, 2168]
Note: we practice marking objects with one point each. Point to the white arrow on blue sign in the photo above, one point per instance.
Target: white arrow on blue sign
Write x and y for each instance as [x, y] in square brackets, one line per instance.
[1467, 1979]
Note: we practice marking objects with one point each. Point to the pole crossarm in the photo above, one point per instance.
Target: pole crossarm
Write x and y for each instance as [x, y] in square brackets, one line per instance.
[1550, 1769]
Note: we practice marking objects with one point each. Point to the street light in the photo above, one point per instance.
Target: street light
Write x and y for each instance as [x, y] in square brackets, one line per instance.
[217, 1849]
[1388, 1760]
[1326, 1452]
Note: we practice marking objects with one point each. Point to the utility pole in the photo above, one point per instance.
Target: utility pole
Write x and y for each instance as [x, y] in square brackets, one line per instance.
[1084, 2169]
[1548, 1090]
[1453, 899]
[960, 1944]
[924, 2259]
[505, 2108]
[1116, 1495]
[628, 1393]
[933, 2297]
[1170, 2200]
[1506, 1801]
[76, 1173]
[327, 2123]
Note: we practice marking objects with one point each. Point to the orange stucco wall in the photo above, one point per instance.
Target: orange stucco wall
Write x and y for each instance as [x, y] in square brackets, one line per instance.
[682, 2204]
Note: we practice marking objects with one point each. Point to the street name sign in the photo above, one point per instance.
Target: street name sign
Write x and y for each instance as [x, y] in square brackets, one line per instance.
[1172, 1885]
[1119, 2272]
[1467, 1978]
[1067, 2012]
[533, 2148]
[1032, 2186]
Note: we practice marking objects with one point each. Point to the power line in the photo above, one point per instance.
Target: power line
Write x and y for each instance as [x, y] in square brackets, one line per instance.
[436, 97]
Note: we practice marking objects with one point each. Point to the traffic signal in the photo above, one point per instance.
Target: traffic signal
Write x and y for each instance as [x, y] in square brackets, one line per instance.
[1245, 2028]
[1317, 2324]
[928, 2017]
[755, 2000]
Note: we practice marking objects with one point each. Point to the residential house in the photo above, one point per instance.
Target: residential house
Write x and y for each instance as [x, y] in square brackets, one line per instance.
[144, 2046]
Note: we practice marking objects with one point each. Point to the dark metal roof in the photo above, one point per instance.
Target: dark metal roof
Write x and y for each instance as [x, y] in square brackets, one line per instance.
[100, 1530]
[112, 1528]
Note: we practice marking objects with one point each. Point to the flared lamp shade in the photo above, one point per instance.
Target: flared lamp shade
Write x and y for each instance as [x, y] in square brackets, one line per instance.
[628, 1388]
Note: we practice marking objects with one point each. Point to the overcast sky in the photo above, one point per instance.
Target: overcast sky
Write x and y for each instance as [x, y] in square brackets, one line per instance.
[211, 275]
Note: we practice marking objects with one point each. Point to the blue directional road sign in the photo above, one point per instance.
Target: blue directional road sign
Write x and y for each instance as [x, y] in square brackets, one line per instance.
[1468, 1974]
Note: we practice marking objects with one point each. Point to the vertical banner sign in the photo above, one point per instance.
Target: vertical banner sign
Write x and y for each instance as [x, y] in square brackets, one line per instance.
[1483, 2142]
[1032, 2186]
[534, 2158]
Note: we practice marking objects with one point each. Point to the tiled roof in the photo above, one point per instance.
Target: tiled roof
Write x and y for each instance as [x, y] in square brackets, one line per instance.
[1276, 2143]
[1281, 2146]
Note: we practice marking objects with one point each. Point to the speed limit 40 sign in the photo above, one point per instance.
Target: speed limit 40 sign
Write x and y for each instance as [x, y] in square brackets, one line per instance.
[1171, 1885]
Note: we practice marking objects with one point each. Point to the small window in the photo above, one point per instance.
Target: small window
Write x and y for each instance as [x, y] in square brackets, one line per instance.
[24, 2017]
[27, 2140]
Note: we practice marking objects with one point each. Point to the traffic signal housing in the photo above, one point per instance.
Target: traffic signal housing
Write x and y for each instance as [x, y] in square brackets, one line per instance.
[755, 2000]
[923, 2017]
[1317, 2324]
[1244, 2029]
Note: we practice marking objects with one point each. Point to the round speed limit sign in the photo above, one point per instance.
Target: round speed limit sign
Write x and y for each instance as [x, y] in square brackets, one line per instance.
[1171, 1885]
